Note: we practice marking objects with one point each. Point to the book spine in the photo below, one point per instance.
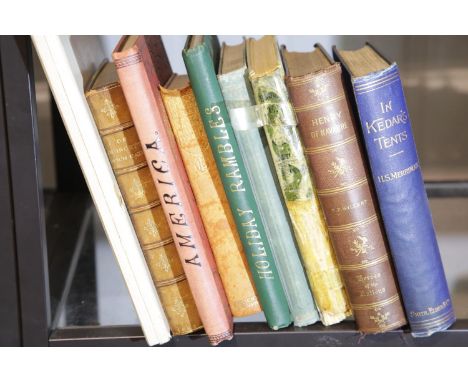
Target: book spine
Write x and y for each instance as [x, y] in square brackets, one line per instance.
[128, 162]
[399, 185]
[236, 184]
[328, 133]
[139, 83]
[211, 200]
[306, 216]
[254, 151]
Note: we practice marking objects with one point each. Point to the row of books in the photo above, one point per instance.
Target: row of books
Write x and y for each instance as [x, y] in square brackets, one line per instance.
[271, 180]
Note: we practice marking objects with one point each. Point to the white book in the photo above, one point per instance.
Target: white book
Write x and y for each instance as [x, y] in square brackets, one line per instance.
[69, 62]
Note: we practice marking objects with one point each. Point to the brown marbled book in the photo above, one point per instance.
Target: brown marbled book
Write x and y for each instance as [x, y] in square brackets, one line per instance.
[336, 161]
[120, 139]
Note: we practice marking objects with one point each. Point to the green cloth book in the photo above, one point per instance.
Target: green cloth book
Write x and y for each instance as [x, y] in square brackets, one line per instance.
[246, 122]
[201, 54]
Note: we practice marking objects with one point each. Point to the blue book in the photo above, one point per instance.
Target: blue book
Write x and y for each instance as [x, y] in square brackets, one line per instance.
[386, 131]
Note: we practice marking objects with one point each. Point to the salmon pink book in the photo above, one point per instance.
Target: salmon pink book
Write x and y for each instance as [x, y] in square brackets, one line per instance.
[142, 65]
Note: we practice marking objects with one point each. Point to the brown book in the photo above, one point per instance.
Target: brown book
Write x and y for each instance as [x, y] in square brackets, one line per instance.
[142, 66]
[200, 164]
[120, 139]
[336, 160]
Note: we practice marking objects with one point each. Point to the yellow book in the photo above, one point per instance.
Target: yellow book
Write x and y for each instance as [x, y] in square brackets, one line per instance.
[209, 194]
[267, 77]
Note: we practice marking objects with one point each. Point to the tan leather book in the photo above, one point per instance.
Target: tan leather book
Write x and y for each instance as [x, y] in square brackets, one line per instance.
[123, 147]
[142, 66]
[209, 193]
[336, 160]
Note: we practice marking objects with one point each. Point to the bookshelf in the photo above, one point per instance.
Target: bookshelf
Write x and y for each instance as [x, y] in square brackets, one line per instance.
[60, 285]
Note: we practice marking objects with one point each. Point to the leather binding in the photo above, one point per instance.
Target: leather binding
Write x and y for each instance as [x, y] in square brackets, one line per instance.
[328, 133]
[210, 196]
[200, 55]
[396, 174]
[254, 150]
[267, 77]
[142, 65]
[123, 148]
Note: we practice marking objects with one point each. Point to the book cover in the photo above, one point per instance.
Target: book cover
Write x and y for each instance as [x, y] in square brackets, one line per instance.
[210, 196]
[251, 139]
[396, 173]
[267, 77]
[329, 136]
[142, 65]
[67, 71]
[200, 55]
[120, 139]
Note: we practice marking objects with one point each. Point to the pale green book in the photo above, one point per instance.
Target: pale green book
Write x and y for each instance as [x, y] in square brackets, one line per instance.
[254, 150]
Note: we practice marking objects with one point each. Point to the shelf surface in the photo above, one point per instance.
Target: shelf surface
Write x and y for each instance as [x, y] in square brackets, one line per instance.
[95, 308]
[258, 334]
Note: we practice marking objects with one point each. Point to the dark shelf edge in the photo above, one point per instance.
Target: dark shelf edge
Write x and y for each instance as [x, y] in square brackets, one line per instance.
[258, 334]
[445, 189]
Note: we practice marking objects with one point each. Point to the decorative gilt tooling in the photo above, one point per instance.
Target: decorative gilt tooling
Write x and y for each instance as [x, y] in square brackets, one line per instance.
[339, 167]
[320, 90]
[361, 246]
[109, 109]
[137, 190]
[163, 263]
[151, 228]
[354, 225]
[178, 308]
[365, 263]
[381, 319]
[200, 163]
[215, 339]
